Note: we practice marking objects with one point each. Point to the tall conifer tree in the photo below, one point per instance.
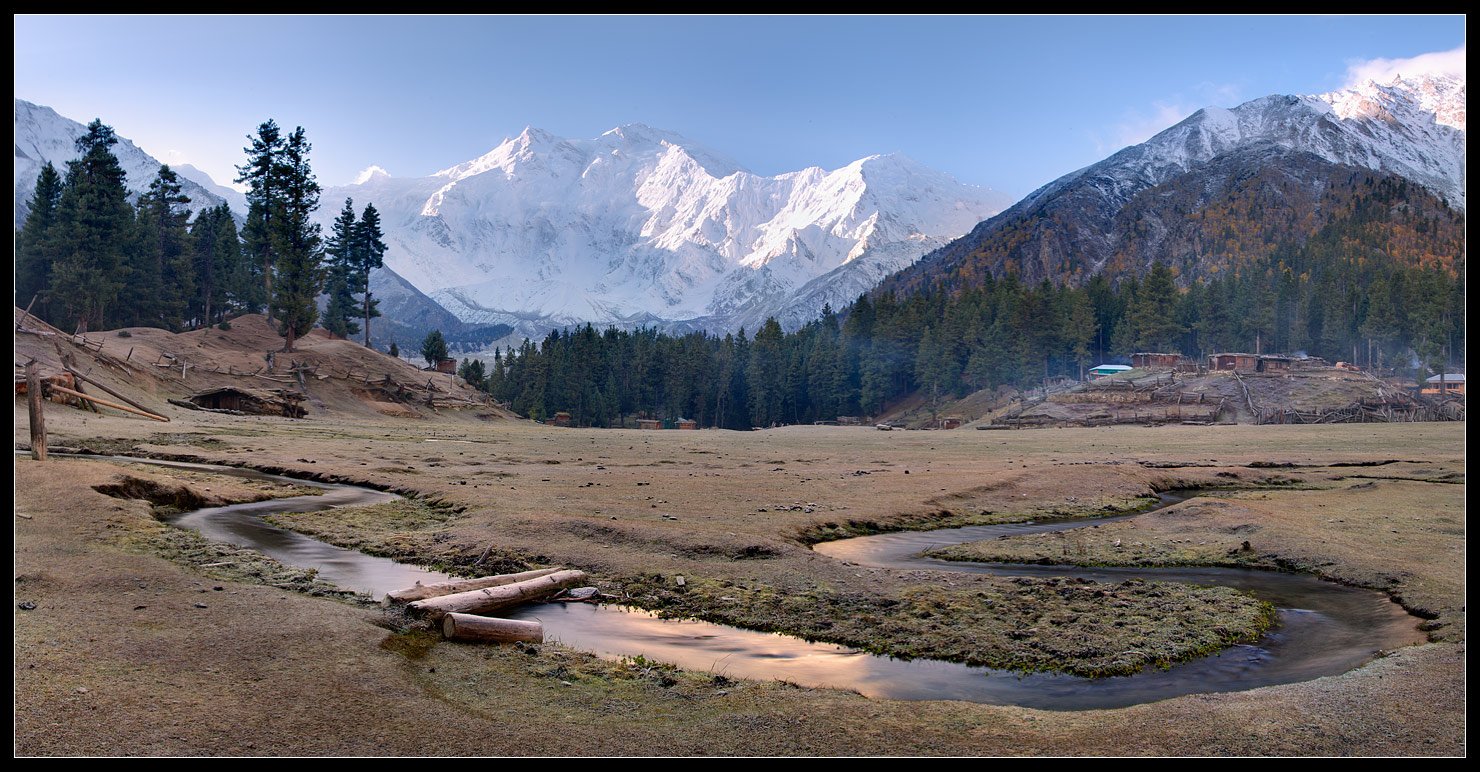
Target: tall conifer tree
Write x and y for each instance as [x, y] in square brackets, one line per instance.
[263, 174]
[162, 281]
[297, 244]
[93, 230]
[35, 245]
[369, 254]
[343, 274]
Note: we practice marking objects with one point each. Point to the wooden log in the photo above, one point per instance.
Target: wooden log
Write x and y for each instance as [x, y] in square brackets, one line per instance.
[424, 591]
[470, 627]
[24, 314]
[106, 403]
[81, 377]
[494, 599]
[87, 401]
[38, 417]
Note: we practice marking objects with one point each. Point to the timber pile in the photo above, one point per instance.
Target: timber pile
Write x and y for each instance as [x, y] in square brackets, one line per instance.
[1396, 408]
[1151, 399]
[462, 607]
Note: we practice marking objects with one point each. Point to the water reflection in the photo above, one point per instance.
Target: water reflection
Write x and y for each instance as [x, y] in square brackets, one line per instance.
[1323, 629]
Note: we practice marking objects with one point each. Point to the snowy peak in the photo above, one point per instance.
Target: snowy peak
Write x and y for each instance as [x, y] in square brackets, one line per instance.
[641, 223]
[1440, 96]
[1411, 127]
[370, 174]
[41, 135]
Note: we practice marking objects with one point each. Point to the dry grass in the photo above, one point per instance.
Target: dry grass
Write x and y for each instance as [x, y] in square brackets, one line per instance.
[736, 507]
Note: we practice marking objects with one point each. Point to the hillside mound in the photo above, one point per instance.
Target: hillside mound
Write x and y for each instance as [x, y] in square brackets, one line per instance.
[243, 369]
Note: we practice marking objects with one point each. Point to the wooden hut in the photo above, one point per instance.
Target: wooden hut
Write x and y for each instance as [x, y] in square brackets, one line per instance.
[687, 423]
[649, 423]
[1155, 359]
[253, 401]
[1244, 363]
[1448, 383]
[1271, 363]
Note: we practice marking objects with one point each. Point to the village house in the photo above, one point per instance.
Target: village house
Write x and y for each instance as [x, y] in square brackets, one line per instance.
[1251, 363]
[1448, 383]
[1155, 359]
[1244, 363]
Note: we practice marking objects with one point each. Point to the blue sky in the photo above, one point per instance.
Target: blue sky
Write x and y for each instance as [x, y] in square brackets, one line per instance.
[1007, 102]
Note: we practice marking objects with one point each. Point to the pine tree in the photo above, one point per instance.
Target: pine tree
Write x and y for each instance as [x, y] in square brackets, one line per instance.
[162, 281]
[343, 274]
[395, 350]
[369, 254]
[94, 225]
[434, 348]
[222, 278]
[472, 371]
[1082, 328]
[1155, 311]
[35, 247]
[263, 175]
[767, 374]
[296, 244]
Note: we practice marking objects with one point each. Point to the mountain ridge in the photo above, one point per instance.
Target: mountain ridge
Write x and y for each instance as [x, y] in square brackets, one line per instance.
[1067, 229]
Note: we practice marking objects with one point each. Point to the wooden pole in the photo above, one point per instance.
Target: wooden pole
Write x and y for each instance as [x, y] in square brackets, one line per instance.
[88, 403]
[424, 591]
[114, 405]
[81, 377]
[494, 599]
[38, 417]
[468, 627]
[25, 314]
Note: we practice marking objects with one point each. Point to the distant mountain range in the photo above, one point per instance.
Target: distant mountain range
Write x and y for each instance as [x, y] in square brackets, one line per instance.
[643, 226]
[1148, 202]
[42, 135]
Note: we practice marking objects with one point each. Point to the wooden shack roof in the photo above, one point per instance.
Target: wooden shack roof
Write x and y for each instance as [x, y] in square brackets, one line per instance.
[258, 394]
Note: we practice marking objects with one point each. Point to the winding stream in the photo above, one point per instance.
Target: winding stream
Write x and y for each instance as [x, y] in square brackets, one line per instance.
[1323, 629]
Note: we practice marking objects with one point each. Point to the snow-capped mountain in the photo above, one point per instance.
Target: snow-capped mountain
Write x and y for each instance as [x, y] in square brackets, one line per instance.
[236, 199]
[1412, 128]
[42, 135]
[643, 226]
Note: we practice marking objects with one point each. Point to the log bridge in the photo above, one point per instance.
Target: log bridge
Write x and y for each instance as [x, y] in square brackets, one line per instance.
[462, 607]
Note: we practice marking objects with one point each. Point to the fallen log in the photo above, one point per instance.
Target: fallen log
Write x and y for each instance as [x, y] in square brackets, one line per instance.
[106, 403]
[469, 627]
[424, 591]
[81, 377]
[87, 402]
[493, 599]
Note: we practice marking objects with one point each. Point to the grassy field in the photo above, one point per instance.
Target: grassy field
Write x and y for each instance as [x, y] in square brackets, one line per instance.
[736, 510]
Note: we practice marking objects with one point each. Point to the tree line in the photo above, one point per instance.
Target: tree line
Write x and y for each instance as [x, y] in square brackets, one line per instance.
[1339, 294]
[88, 259]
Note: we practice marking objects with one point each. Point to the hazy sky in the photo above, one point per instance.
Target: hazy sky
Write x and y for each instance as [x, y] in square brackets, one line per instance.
[1007, 102]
